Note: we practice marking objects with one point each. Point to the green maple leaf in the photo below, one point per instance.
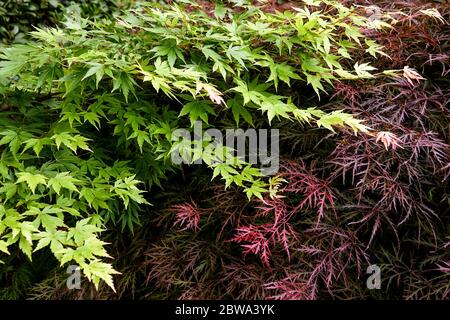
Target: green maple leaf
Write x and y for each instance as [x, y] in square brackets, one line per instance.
[362, 70]
[54, 238]
[45, 218]
[36, 144]
[32, 180]
[256, 189]
[25, 246]
[62, 180]
[283, 71]
[82, 231]
[4, 246]
[97, 270]
[196, 110]
[70, 141]
[239, 110]
[239, 54]
[9, 189]
[97, 69]
[170, 49]
[275, 107]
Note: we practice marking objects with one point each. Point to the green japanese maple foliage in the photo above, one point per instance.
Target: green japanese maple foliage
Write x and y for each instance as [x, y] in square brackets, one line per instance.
[18, 17]
[87, 110]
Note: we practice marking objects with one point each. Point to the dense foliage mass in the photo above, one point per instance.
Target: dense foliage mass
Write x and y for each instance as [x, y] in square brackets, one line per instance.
[17, 18]
[88, 105]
